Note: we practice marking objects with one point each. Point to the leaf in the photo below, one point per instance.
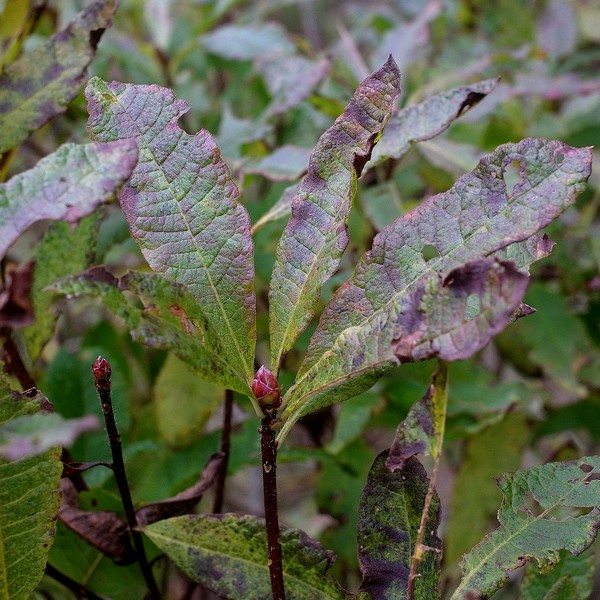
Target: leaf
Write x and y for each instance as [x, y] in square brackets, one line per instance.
[290, 79]
[185, 501]
[184, 211]
[280, 209]
[169, 318]
[34, 434]
[246, 42]
[533, 525]
[181, 422]
[422, 431]
[285, 164]
[314, 240]
[42, 81]
[29, 501]
[67, 185]
[64, 250]
[228, 555]
[388, 522]
[572, 574]
[427, 119]
[103, 529]
[400, 307]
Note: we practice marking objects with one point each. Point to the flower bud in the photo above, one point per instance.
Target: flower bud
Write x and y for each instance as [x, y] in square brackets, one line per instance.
[101, 370]
[266, 389]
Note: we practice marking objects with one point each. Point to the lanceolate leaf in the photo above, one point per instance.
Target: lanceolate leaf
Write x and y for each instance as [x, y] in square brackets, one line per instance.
[228, 554]
[389, 517]
[533, 525]
[183, 209]
[425, 120]
[42, 82]
[316, 235]
[29, 501]
[400, 307]
[66, 185]
[169, 318]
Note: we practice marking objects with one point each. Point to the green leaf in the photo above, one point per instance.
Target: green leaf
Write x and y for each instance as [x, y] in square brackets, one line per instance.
[183, 208]
[29, 502]
[422, 431]
[64, 250]
[388, 523]
[67, 185]
[571, 575]
[425, 120]
[168, 318]
[228, 554]
[533, 525]
[183, 402]
[280, 209]
[316, 235]
[42, 82]
[403, 306]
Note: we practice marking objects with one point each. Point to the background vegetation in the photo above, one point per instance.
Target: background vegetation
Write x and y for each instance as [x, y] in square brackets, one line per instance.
[266, 78]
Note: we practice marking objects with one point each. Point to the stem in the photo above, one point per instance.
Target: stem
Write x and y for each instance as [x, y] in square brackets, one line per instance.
[225, 449]
[269, 471]
[440, 404]
[77, 588]
[101, 370]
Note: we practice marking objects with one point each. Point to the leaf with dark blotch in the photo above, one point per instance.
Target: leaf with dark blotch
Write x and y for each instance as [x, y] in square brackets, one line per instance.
[105, 530]
[183, 209]
[388, 523]
[427, 119]
[314, 240]
[42, 81]
[66, 185]
[228, 555]
[422, 429]
[535, 524]
[402, 305]
[29, 501]
[169, 318]
[34, 434]
[185, 501]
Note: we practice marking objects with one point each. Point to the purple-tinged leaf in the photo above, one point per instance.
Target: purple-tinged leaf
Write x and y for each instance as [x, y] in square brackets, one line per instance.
[425, 120]
[183, 208]
[290, 79]
[422, 430]
[228, 555]
[103, 529]
[42, 82]
[535, 524]
[169, 318]
[400, 307]
[316, 235]
[66, 185]
[185, 501]
[389, 517]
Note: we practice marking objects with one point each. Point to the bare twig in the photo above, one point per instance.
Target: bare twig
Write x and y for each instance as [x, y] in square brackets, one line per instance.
[225, 448]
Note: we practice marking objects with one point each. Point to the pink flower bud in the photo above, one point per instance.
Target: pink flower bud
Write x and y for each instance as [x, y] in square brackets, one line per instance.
[101, 371]
[266, 389]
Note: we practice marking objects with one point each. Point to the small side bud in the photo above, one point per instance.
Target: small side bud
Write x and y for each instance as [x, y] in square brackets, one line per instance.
[266, 389]
[101, 371]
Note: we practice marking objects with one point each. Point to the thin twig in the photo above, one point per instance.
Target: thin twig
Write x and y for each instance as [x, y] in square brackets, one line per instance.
[101, 370]
[269, 472]
[225, 449]
[77, 588]
[440, 404]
